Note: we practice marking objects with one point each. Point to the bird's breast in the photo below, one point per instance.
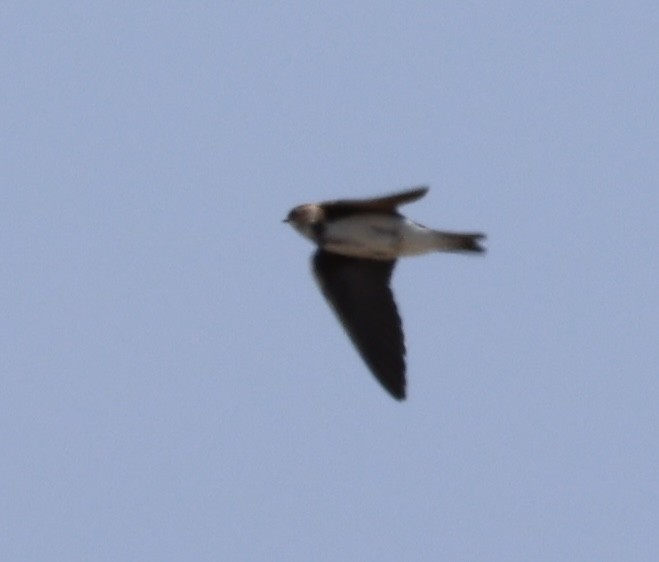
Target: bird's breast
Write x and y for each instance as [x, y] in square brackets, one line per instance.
[364, 236]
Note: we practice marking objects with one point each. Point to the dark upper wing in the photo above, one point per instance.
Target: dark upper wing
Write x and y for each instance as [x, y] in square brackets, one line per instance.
[386, 204]
[358, 290]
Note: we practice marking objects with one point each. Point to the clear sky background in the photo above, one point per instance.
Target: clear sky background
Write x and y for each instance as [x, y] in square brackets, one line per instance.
[173, 385]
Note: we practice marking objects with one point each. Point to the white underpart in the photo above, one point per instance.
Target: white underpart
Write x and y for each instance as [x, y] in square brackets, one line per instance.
[379, 237]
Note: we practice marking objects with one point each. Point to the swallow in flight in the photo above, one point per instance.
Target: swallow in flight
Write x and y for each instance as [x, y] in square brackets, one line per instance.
[359, 241]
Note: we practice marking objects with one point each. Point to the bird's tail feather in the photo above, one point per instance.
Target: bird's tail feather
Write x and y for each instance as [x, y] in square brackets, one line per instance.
[459, 241]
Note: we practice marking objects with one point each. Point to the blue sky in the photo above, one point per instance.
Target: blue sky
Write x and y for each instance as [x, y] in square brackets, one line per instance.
[174, 387]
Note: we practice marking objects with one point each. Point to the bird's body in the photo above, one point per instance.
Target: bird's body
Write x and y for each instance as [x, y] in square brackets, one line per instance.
[382, 237]
[358, 244]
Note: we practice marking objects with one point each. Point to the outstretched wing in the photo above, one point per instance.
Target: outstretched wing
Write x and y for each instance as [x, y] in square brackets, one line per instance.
[358, 291]
[386, 204]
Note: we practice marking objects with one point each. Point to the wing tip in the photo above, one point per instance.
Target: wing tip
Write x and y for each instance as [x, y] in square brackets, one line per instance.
[396, 389]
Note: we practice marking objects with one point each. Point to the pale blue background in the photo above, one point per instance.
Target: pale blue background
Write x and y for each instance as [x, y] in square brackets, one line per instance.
[173, 386]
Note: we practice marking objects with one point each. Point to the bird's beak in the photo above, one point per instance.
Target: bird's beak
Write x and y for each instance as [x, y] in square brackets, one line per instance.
[286, 220]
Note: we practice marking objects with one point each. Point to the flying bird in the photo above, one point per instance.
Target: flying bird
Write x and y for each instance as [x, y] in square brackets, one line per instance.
[359, 241]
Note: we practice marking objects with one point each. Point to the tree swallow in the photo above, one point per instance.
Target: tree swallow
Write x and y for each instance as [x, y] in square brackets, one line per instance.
[358, 243]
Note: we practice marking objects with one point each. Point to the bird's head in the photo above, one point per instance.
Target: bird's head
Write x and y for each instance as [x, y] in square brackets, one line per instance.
[305, 219]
